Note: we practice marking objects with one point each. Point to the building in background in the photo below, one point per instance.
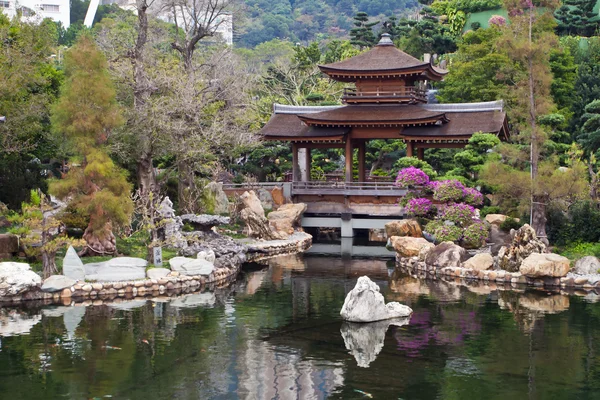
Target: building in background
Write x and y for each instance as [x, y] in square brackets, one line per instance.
[37, 10]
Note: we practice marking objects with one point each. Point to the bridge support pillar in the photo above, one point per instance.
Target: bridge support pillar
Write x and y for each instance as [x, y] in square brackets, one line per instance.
[346, 226]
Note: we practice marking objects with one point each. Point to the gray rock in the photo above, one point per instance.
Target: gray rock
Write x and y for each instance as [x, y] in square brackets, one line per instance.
[128, 305]
[92, 268]
[157, 273]
[204, 222]
[365, 341]
[72, 265]
[177, 262]
[364, 303]
[56, 283]
[194, 267]
[118, 269]
[17, 278]
[208, 255]
[586, 266]
[72, 318]
[446, 254]
[266, 199]
[524, 242]
[215, 200]
[547, 264]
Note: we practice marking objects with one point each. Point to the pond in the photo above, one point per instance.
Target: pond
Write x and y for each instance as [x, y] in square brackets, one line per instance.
[276, 334]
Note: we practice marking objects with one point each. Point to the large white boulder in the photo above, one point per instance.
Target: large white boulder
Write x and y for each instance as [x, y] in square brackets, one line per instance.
[479, 262]
[365, 303]
[72, 265]
[57, 283]
[191, 266]
[118, 269]
[587, 265]
[546, 264]
[157, 273]
[407, 246]
[17, 278]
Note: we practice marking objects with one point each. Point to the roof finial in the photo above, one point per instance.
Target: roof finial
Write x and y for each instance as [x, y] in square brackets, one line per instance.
[386, 40]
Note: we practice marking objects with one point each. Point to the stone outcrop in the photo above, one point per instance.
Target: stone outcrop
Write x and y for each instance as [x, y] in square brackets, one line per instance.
[365, 341]
[204, 222]
[9, 245]
[191, 266]
[72, 265]
[404, 227]
[497, 219]
[214, 199]
[446, 254]
[278, 197]
[365, 303]
[266, 199]
[287, 218]
[524, 243]
[586, 266]
[117, 269]
[407, 246]
[547, 264]
[480, 262]
[56, 283]
[157, 273]
[280, 224]
[17, 278]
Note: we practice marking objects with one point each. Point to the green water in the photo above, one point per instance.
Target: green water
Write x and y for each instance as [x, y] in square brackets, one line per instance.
[277, 334]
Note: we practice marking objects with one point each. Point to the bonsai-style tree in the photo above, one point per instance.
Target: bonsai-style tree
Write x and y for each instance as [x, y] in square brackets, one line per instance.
[86, 113]
[40, 232]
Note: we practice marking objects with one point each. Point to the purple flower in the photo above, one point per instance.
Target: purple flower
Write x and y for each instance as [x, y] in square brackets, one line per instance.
[497, 20]
[449, 191]
[418, 207]
[411, 176]
[460, 213]
[473, 197]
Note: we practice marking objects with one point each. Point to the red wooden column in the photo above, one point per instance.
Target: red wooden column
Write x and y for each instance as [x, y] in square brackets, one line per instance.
[362, 176]
[409, 149]
[421, 153]
[295, 166]
[349, 157]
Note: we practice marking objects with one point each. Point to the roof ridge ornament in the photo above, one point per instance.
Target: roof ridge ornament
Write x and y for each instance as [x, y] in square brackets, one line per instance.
[386, 40]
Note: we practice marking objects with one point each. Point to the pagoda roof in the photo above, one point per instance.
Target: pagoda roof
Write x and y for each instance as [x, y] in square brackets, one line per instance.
[383, 60]
[415, 122]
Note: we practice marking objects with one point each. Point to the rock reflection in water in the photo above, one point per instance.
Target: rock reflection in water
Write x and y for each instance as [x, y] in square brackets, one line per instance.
[365, 341]
[15, 322]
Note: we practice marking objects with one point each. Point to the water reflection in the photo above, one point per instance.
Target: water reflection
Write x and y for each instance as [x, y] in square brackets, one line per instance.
[277, 333]
[365, 341]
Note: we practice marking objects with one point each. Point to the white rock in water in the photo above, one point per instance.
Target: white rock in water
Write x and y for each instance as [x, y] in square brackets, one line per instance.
[57, 282]
[364, 303]
[157, 273]
[208, 255]
[17, 278]
[191, 266]
[72, 265]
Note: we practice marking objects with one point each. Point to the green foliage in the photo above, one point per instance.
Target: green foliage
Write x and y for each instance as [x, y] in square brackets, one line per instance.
[577, 17]
[362, 34]
[467, 6]
[579, 223]
[427, 35]
[489, 210]
[590, 131]
[447, 233]
[475, 235]
[575, 251]
[510, 223]
[406, 162]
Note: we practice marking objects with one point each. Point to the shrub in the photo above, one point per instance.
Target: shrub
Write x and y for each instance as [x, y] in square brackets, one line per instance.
[460, 213]
[497, 20]
[411, 176]
[405, 162]
[475, 25]
[432, 226]
[510, 223]
[489, 210]
[448, 191]
[419, 207]
[473, 197]
[475, 235]
[448, 233]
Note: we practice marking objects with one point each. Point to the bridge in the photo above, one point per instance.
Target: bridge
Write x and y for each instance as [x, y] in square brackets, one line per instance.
[337, 204]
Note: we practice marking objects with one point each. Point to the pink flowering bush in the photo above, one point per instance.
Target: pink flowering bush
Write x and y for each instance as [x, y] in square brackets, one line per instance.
[460, 213]
[448, 233]
[418, 207]
[473, 197]
[448, 191]
[497, 20]
[475, 235]
[411, 176]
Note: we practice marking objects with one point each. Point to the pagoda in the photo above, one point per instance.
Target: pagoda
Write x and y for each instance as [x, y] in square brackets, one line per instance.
[388, 101]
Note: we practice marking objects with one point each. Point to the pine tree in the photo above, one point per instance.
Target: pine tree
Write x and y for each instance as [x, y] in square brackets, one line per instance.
[86, 113]
[363, 36]
[577, 17]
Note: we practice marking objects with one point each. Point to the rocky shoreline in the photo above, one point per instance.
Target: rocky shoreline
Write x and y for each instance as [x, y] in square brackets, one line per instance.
[173, 284]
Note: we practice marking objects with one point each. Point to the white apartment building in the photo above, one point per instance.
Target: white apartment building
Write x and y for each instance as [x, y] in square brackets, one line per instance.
[37, 10]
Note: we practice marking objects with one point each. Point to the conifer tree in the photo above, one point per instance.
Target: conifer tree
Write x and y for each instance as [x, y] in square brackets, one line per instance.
[86, 113]
[363, 36]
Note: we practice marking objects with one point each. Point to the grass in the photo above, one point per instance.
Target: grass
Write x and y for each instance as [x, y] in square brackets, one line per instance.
[232, 230]
[575, 251]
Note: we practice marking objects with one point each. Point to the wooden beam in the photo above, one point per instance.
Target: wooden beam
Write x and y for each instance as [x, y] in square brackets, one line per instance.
[349, 157]
[322, 145]
[295, 166]
[362, 177]
[420, 153]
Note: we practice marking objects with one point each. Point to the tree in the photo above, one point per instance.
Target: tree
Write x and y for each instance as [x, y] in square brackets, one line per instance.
[86, 113]
[527, 41]
[40, 231]
[590, 131]
[362, 34]
[577, 17]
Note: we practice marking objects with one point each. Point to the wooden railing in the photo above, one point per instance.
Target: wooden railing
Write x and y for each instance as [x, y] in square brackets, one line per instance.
[323, 188]
[410, 94]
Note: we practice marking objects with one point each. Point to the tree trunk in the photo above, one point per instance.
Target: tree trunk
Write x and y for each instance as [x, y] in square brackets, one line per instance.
[593, 182]
[48, 263]
[101, 243]
[146, 176]
[186, 188]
